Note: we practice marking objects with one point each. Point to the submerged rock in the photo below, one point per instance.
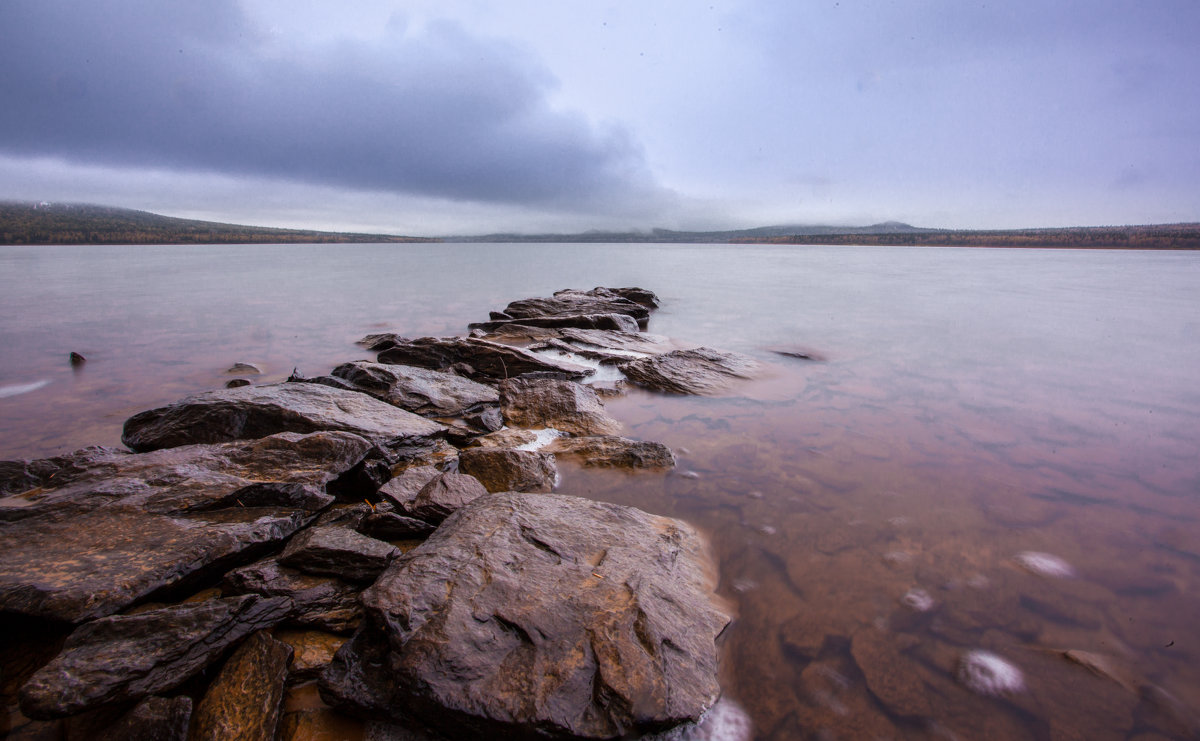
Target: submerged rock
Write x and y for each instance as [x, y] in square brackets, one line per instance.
[257, 411]
[127, 657]
[505, 469]
[564, 405]
[486, 361]
[615, 452]
[243, 702]
[698, 371]
[539, 615]
[123, 526]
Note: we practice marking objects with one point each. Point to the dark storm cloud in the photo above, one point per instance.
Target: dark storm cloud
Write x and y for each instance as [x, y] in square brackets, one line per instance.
[194, 86]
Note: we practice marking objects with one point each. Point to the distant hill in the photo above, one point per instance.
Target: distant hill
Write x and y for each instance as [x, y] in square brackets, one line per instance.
[61, 223]
[710, 237]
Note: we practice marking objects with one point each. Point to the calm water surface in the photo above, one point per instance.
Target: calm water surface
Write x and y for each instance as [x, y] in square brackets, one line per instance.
[868, 511]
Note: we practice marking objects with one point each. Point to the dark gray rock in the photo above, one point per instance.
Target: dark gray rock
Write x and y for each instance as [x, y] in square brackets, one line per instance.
[573, 302]
[444, 495]
[393, 526]
[614, 452]
[50, 473]
[132, 525]
[336, 551]
[563, 405]
[619, 322]
[127, 657]
[403, 489]
[257, 411]
[241, 368]
[487, 361]
[697, 371]
[155, 718]
[236, 383]
[505, 469]
[243, 702]
[429, 393]
[321, 602]
[538, 616]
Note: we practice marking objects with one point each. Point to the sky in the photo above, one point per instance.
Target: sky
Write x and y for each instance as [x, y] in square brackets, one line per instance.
[465, 117]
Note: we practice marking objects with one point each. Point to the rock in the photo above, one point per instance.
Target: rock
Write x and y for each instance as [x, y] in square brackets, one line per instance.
[50, 473]
[132, 525]
[156, 718]
[236, 383]
[336, 551]
[616, 343]
[563, 405]
[444, 495]
[637, 295]
[799, 353]
[505, 469]
[488, 361]
[539, 616]
[258, 411]
[889, 673]
[403, 489]
[243, 702]
[509, 437]
[320, 602]
[572, 302]
[697, 371]
[127, 657]
[312, 651]
[615, 452]
[250, 368]
[430, 393]
[619, 322]
[393, 526]
[77, 360]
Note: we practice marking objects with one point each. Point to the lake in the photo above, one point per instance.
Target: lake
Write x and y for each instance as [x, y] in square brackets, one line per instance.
[996, 452]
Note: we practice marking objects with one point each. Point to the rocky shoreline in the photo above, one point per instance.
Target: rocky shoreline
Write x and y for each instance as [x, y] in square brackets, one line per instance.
[388, 532]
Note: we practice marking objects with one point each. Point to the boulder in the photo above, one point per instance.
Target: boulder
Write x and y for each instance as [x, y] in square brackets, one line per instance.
[337, 551]
[698, 371]
[155, 718]
[124, 658]
[573, 302]
[487, 361]
[563, 405]
[540, 616]
[505, 469]
[312, 652]
[620, 322]
[257, 411]
[403, 489]
[444, 495]
[614, 452]
[430, 393]
[243, 702]
[320, 602]
[127, 526]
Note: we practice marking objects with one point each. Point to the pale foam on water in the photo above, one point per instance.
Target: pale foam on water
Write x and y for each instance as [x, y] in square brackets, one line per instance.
[725, 721]
[601, 373]
[1045, 564]
[544, 438]
[988, 674]
[21, 388]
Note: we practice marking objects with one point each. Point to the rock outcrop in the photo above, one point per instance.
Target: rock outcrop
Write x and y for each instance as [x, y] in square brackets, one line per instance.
[564, 405]
[539, 615]
[429, 393]
[697, 371]
[596, 301]
[481, 360]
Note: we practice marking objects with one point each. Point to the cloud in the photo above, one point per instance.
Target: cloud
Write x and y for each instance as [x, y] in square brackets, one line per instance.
[433, 111]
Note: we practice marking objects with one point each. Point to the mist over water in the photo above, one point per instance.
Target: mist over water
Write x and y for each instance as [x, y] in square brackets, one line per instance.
[996, 454]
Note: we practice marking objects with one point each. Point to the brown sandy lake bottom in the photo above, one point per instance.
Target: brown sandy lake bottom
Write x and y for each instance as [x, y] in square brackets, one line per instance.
[998, 452]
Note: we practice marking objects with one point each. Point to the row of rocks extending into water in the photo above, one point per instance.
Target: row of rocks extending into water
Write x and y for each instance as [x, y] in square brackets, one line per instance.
[399, 502]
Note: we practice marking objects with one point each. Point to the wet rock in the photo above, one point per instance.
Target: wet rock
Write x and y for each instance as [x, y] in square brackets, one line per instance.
[618, 322]
[132, 525]
[487, 361]
[156, 718]
[595, 301]
[243, 702]
[258, 411]
[336, 551]
[540, 615]
[403, 489]
[889, 673]
[505, 469]
[236, 383]
[511, 437]
[49, 473]
[430, 393]
[77, 360]
[444, 495]
[393, 526]
[127, 657]
[1104, 666]
[238, 368]
[319, 601]
[615, 452]
[698, 371]
[637, 295]
[563, 405]
[312, 651]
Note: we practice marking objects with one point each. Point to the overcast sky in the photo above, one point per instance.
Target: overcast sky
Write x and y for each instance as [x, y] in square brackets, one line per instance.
[467, 116]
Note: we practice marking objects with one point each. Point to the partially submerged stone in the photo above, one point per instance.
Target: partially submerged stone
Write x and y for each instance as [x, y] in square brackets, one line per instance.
[614, 452]
[485, 360]
[124, 526]
[430, 393]
[340, 552]
[127, 657]
[257, 411]
[243, 702]
[595, 301]
[564, 405]
[540, 615]
[505, 469]
[697, 371]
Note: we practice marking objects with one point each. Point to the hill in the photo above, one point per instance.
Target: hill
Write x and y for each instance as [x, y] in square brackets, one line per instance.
[59, 223]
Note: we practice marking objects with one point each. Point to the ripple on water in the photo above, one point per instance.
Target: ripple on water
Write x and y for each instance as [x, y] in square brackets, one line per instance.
[988, 674]
[918, 599]
[1045, 564]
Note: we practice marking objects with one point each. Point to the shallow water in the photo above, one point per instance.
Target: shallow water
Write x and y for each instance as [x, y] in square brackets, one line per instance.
[973, 407]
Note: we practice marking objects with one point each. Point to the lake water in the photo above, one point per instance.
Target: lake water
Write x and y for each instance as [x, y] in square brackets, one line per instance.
[876, 515]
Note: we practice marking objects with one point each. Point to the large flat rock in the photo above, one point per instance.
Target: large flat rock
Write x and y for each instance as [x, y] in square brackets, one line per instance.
[257, 411]
[564, 405]
[429, 393]
[596, 301]
[480, 359]
[620, 322]
[699, 371]
[130, 525]
[533, 615]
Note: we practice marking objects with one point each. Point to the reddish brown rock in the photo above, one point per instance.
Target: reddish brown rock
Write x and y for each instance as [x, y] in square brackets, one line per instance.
[243, 702]
[503, 469]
